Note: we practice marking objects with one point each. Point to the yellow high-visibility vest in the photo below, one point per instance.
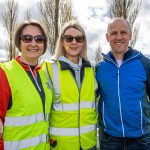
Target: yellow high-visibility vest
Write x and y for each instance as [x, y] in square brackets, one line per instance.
[73, 115]
[26, 125]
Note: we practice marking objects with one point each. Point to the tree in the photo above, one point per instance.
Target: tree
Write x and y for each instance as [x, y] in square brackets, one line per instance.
[9, 20]
[98, 56]
[27, 15]
[54, 13]
[129, 10]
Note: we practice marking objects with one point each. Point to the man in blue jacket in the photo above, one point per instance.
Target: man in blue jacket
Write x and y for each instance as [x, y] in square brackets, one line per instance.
[124, 107]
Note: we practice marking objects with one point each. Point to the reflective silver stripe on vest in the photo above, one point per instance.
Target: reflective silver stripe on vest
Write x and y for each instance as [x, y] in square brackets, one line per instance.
[22, 121]
[16, 145]
[74, 106]
[56, 80]
[72, 131]
[47, 117]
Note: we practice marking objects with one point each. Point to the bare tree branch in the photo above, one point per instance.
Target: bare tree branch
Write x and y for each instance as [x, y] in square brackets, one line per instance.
[9, 20]
[54, 13]
[98, 56]
[28, 15]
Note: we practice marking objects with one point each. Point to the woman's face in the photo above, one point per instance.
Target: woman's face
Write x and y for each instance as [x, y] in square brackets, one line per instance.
[73, 42]
[31, 48]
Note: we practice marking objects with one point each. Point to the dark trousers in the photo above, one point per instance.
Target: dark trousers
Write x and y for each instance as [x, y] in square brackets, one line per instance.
[108, 142]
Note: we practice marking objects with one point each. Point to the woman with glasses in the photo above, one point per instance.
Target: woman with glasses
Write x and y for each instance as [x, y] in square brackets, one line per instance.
[25, 98]
[73, 115]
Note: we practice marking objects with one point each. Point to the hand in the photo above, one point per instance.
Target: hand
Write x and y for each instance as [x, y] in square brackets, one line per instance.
[1, 128]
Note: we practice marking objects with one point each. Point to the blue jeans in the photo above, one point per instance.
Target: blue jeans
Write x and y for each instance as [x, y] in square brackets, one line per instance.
[108, 142]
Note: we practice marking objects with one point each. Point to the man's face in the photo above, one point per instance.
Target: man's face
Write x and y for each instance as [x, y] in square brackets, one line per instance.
[118, 35]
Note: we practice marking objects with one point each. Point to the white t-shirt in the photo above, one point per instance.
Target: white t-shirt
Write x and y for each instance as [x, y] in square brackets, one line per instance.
[119, 62]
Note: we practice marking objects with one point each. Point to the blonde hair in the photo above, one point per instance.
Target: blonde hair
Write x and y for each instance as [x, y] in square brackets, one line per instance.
[59, 50]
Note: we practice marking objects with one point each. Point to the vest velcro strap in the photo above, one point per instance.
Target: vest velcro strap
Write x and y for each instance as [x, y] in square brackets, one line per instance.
[16, 145]
[72, 131]
[74, 106]
[25, 120]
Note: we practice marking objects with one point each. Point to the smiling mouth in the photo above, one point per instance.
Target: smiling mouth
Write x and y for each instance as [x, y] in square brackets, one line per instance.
[33, 50]
[74, 48]
[119, 43]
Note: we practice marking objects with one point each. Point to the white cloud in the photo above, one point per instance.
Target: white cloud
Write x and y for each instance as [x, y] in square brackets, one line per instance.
[3, 54]
[143, 43]
[93, 15]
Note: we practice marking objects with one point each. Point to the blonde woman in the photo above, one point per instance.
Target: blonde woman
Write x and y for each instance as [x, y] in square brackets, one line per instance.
[73, 116]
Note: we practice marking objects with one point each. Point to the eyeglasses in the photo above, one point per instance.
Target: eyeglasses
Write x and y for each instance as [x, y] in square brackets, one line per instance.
[28, 38]
[69, 38]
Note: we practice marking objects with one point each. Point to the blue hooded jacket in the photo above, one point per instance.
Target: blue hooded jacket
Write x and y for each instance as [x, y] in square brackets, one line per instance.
[124, 110]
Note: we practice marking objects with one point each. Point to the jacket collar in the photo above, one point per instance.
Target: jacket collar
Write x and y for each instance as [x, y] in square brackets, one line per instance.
[66, 66]
[25, 66]
[129, 54]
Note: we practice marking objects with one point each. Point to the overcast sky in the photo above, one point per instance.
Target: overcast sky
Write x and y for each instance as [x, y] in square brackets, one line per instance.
[93, 15]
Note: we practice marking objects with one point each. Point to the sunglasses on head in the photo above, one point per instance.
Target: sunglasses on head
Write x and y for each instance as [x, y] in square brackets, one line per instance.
[28, 38]
[69, 38]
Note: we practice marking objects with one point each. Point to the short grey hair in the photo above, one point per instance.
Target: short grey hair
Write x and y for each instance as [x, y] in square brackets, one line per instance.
[118, 19]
